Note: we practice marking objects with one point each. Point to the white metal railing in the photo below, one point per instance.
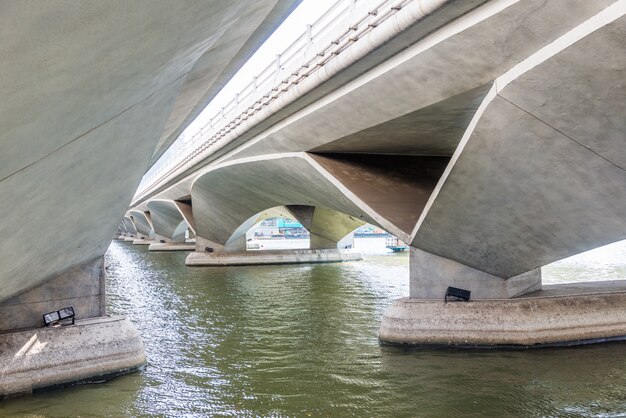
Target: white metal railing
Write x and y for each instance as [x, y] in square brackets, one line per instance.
[343, 24]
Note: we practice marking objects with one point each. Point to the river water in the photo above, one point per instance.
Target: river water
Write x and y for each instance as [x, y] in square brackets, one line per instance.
[302, 341]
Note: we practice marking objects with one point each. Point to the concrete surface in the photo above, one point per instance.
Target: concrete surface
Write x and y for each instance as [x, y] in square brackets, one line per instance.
[89, 90]
[82, 286]
[91, 351]
[542, 174]
[430, 275]
[247, 258]
[227, 196]
[142, 222]
[571, 315]
[167, 220]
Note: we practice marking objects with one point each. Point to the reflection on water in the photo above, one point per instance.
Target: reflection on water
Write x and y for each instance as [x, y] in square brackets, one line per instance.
[301, 341]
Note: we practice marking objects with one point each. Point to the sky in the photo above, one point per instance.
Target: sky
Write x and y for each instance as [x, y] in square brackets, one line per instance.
[306, 13]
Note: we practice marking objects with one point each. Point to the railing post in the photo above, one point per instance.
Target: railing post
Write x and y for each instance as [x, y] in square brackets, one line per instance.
[255, 87]
[277, 69]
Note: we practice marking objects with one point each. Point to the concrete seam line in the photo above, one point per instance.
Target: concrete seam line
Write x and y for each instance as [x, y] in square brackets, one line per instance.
[491, 94]
[94, 128]
[597, 21]
[562, 133]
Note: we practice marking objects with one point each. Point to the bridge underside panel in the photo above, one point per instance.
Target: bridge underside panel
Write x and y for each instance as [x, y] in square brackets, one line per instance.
[396, 187]
[226, 197]
[142, 223]
[434, 130]
[237, 241]
[74, 196]
[326, 226]
[184, 207]
[166, 218]
[543, 175]
[428, 95]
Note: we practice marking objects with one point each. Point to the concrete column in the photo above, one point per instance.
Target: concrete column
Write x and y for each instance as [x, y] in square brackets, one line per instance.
[430, 276]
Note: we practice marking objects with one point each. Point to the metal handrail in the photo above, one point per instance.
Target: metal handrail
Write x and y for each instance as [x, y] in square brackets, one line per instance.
[343, 24]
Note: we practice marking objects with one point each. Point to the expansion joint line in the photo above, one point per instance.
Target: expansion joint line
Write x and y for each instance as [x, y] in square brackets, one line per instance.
[563, 133]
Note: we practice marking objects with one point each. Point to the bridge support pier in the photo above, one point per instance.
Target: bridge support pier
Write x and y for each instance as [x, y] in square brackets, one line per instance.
[210, 253]
[243, 258]
[143, 241]
[514, 312]
[96, 347]
[161, 243]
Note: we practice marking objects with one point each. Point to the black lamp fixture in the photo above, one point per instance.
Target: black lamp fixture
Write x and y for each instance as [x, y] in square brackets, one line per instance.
[60, 317]
[458, 294]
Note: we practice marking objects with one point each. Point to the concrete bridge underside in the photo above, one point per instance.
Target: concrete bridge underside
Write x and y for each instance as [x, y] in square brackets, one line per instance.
[93, 93]
[493, 145]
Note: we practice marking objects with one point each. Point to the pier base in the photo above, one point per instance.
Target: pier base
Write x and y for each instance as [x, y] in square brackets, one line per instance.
[245, 258]
[558, 315]
[143, 241]
[172, 246]
[129, 239]
[92, 350]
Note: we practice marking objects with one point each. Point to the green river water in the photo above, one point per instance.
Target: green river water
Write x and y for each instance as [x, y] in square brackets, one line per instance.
[302, 341]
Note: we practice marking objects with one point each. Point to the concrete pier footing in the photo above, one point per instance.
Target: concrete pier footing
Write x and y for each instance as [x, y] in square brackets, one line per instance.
[142, 241]
[172, 246]
[129, 239]
[579, 313]
[92, 350]
[244, 258]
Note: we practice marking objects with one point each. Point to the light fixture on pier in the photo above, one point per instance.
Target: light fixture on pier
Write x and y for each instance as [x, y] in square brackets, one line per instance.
[60, 317]
[459, 294]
